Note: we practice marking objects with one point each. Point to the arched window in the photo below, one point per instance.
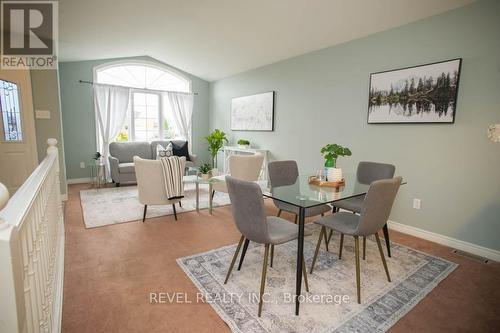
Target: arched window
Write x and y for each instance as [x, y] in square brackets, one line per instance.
[150, 117]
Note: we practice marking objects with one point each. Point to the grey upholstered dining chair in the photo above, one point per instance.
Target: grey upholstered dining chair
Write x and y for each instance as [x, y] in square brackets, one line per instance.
[367, 173]
[283, 173]
[375, 211]
[250, 217]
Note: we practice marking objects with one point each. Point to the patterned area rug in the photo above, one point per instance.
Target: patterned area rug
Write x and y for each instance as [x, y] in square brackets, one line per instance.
[331, 304]
[114, 205]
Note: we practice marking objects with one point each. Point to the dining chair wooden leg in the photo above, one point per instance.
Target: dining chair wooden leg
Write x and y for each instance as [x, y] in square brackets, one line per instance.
[341, 245]
[263, 279]
[144, 215]
[243, 252]
[175, 212]
[304, 270]
[358, 279]
[330, 236]
[326, 242]
[279, 213]
[323, 230]
[387, 241]
[364, 247]
[383, 257]
[296, 217]
[272, 255]
[234, 258]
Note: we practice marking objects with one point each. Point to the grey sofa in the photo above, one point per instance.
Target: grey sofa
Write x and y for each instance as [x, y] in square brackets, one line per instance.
[121, 158]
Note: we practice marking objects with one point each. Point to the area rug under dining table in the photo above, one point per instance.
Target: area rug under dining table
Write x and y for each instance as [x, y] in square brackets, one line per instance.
[331, 304]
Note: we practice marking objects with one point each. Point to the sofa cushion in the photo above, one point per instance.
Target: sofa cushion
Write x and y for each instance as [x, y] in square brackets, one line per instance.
[154, 144]
[125, 151]
[165, 143]
[162, 151]
[126, 168]
[181, 149]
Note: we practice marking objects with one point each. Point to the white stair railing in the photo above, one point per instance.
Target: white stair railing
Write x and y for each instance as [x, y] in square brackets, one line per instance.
[32, 251]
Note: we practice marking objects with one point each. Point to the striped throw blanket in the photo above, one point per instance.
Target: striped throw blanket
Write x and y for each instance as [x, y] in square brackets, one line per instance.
[173, 171]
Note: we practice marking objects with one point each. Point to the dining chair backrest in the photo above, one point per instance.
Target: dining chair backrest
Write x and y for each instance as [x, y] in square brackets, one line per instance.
[282, 173]
[368, 172]
[246, 167]
[248, 209]
[377, 205]
[150, 181]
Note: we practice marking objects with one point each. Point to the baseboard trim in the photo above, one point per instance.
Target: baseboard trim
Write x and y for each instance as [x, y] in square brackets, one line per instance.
[78, 180]
[445, 240]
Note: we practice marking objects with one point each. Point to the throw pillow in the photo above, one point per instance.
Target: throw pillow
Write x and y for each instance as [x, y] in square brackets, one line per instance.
[164, 152]
[181, 149]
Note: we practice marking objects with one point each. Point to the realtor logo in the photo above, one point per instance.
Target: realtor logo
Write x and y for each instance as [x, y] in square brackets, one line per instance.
[29, 34]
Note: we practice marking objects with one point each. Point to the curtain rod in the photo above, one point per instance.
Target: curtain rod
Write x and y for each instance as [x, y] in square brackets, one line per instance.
[156, 90]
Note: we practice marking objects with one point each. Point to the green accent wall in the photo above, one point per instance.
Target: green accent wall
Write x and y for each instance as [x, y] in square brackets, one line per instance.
[79, 121]
[322, 97]
[45, 88]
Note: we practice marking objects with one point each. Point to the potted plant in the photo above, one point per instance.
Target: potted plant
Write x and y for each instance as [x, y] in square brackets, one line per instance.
[331, 152]
[216, 141]
[242, 143]
[97, 157]
[204, 171]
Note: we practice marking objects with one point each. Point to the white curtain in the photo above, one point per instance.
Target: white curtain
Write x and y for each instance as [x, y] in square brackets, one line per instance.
[111, 105]
[181, 107]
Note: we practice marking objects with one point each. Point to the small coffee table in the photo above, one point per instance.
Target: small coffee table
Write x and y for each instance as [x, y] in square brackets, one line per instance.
[197, 180]
[97, 172]
[193, 177]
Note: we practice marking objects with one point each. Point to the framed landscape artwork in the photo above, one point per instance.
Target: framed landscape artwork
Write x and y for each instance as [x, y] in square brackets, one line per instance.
[253, 113]
[420, 94]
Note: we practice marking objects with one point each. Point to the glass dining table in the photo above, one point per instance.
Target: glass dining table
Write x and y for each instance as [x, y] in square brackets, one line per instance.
[304, 195]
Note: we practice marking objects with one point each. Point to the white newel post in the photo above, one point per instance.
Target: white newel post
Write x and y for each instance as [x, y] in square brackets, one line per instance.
[4, 198]
[32, 251]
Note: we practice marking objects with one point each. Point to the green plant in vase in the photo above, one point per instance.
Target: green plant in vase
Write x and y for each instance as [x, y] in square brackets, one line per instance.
[243, 143]
[331, 152]
[204, 170]
[97, 158]
[216, 141]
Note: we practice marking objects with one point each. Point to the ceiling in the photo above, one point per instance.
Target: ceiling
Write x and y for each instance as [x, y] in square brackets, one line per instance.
[213, 39]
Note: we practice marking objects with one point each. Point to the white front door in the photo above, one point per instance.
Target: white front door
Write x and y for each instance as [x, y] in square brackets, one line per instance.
[18, 154]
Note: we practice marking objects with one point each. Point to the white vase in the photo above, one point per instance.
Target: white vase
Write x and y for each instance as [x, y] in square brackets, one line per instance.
[334, 174]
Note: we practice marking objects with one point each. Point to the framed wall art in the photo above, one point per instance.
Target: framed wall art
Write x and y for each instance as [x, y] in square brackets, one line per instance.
[420, 94]
[253, 113]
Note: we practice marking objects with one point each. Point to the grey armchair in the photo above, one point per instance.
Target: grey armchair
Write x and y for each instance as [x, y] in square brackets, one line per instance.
[249, 215]
[367, 173]
[375, 211]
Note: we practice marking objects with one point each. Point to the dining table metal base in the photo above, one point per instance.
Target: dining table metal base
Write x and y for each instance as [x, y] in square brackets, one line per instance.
[300, 260]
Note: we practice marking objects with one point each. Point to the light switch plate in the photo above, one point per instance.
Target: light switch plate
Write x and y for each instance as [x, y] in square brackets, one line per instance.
[416, 203]
[42, 114]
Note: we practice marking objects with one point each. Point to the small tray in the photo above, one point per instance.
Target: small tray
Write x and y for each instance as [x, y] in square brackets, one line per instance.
[313, 180]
